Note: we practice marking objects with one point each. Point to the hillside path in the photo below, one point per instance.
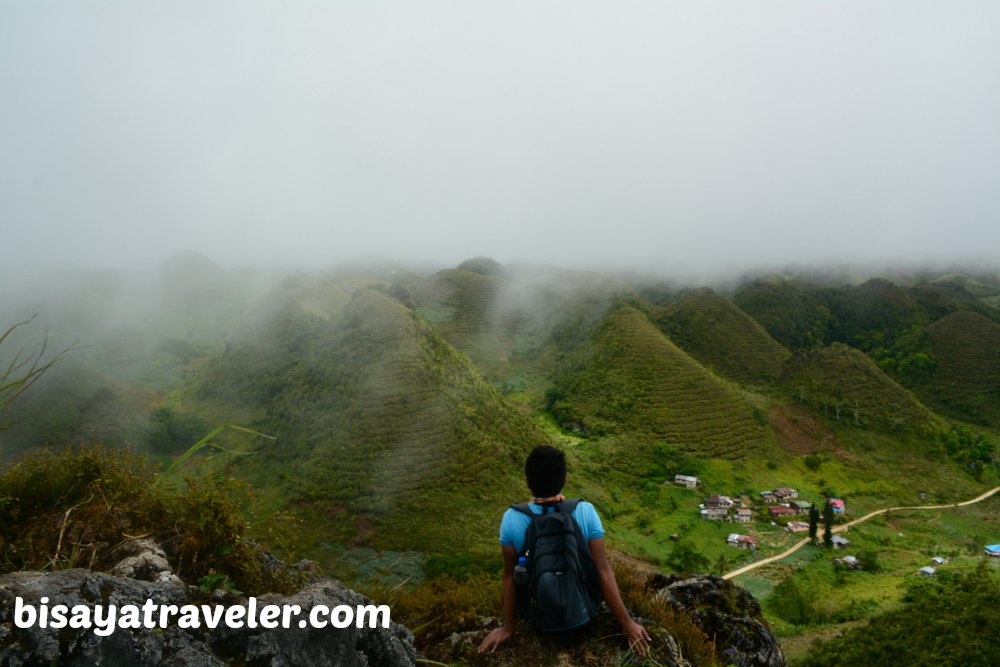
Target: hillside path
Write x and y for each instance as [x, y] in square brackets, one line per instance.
[841, 528]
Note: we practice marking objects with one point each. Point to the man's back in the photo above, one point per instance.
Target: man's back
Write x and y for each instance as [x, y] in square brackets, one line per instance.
[515, 524]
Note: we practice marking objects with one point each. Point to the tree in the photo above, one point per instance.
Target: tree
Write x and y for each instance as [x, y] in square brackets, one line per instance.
[721, 564]
[869, 561]
[797, 601]
[828, 525]
[813, 522]
[686, 558]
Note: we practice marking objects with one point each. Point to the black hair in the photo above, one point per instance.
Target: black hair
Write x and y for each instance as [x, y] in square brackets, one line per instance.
[545, 470]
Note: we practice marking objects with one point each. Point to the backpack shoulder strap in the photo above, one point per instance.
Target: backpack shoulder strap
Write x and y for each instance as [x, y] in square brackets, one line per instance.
[567, 506]
[523, 508]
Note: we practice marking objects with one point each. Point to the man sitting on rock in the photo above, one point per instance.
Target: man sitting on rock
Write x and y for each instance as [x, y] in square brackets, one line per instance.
[545, 470]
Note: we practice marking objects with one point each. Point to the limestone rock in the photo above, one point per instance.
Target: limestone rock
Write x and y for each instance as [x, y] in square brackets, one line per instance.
[728, 614]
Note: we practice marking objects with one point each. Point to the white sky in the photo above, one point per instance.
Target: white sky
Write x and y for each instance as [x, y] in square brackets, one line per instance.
[697, 134]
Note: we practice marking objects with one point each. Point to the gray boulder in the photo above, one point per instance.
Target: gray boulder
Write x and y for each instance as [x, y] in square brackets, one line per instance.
[728, 614]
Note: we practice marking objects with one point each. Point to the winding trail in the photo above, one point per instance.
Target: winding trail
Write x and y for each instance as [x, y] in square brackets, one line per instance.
[841, 528]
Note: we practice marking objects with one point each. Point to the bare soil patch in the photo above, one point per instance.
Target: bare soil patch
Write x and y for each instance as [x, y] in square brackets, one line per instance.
[800, 431]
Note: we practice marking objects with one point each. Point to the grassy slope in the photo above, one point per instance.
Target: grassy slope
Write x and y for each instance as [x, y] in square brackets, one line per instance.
[966, 382]
[630, 381]
[845, 379]
[387, 436]
[718, 334]
[516, 324]
[463, 308]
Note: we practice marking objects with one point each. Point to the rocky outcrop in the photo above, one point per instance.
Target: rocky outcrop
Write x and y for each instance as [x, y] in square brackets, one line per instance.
[143, 559]
[176, 646]
[692, 620]
[728, 614]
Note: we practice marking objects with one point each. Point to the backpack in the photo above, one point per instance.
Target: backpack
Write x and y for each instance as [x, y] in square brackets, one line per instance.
[560, 589]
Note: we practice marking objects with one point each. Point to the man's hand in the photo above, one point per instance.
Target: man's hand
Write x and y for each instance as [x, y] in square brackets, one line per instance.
[637, 637]
[495, 638]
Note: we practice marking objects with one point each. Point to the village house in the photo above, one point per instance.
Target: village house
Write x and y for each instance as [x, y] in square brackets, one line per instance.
[742, 541]
[780, 511]
[837, 504]
[686, 480]
[720, 502]
[743, 515]
[937, 560]
[927, 571]
[992, 550]
[715, 514]
[797, 527]
[801, 506]
[839, 542]
[785, 493]
[768, 497]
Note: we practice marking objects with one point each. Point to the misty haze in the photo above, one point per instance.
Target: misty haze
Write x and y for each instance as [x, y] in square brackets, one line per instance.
[289, 294]
[689, 135]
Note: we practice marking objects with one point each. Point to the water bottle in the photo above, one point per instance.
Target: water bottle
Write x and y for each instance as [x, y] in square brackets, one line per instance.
[521, 571]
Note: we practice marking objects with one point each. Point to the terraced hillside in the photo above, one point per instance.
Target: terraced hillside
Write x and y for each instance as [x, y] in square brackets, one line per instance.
[514, 323]
[631, 381]
[387, 436]
[846, 385]
[966, 381]
[713, 330]
[460, 302]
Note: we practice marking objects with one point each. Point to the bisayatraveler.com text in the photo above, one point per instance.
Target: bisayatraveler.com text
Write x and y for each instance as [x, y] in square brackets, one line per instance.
[105, 619]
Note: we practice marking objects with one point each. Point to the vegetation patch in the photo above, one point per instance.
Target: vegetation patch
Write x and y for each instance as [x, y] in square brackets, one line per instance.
[945, 620]
[75, 508]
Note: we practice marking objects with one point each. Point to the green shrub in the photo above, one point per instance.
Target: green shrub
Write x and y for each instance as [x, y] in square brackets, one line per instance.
[170, 432]
[74, 507]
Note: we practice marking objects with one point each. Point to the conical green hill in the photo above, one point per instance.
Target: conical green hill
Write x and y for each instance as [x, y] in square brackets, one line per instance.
[458, 302]
[966, 380]
[632, 380]
[388, 437]
[846, 385]
[713, 330]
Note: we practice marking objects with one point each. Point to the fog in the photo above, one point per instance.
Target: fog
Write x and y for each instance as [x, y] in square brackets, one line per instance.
[693, 137]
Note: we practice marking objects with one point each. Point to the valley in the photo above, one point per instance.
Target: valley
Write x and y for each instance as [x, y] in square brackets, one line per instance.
[402, 404]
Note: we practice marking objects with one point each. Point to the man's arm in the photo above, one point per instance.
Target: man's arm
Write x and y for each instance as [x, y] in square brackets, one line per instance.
[502, 634]
[636, 635]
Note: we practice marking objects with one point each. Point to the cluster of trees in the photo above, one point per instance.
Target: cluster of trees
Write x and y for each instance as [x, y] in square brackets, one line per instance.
[814, 519]
[970, 448]
[908, 358]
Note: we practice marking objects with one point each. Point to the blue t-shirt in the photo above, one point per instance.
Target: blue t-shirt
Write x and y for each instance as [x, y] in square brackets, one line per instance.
[515, 524]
